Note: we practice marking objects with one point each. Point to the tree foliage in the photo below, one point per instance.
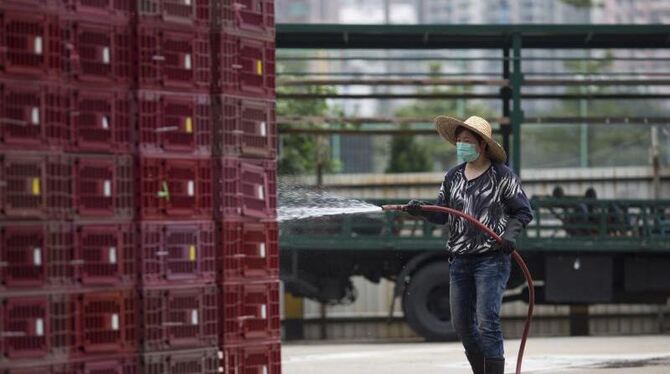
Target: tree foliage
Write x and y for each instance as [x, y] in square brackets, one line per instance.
[580, 3]
[425, 153]
[608, 144]
[304, 153]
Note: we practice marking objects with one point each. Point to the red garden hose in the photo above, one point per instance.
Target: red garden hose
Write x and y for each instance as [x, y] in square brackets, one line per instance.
[517, 258]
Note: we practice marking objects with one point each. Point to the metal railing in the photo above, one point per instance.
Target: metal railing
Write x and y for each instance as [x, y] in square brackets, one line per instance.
[560, 224]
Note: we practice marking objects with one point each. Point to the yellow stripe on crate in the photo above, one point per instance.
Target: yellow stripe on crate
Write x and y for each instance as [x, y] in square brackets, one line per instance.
[259, 67]
[191, 253]
[37, 188]
[189, 125]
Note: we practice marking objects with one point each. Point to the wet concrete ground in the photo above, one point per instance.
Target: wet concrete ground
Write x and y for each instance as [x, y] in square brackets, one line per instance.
[590, 355]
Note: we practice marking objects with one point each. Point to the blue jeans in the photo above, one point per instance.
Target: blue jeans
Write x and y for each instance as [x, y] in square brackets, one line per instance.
[476, 288]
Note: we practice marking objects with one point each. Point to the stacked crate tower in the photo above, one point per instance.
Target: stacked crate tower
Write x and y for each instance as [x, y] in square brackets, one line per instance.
[177, 293]
[245, 164]
[67, 199]
[137, 187]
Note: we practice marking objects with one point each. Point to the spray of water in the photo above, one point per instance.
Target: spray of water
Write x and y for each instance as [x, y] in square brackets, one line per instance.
[300, 202]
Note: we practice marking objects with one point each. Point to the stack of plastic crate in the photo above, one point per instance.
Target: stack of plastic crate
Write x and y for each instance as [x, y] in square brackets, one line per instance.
[178, 294]
[245, 149]
[67, 238]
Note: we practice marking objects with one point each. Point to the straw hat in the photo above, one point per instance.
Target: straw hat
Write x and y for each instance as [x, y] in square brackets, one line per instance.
[446, 127]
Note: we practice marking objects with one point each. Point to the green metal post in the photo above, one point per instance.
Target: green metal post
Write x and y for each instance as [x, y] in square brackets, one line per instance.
[506, 94]
[516, 117]
[460, 103]
[584, 129]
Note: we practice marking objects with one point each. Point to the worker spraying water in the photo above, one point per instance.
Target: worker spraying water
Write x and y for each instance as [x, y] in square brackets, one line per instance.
[485, 209]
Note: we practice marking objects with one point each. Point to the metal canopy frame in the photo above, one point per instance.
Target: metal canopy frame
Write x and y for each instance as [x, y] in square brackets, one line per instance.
[576, 36]
[510, 39]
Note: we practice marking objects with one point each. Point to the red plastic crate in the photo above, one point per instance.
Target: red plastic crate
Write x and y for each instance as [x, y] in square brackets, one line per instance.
[100, 52]
[247, 66]
[106, 322]
[36, 327]
[45, 6]
[193, 361]
[179, 317]
[36, 255]
[249, 18]
[252, 358]
[177, 253]
[37, 370]
[30, 43]
[101, 120]
[248, 188]
[106, 254]
[34, 114]
[60, 368]
[35, 187]
[176, 188]
[170, 122]
[103, 186]
[174, 57]
[248, 250]
[117, 364]
[191, 12]
[249, 310]
[249, 128]
[128, 364]
[106, 9]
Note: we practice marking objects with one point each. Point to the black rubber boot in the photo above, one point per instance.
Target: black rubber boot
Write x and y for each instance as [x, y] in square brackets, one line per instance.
[476, 362]
[495, 366]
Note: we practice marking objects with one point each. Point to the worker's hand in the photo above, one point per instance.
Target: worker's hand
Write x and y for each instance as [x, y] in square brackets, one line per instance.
[414, 208]
[506, 246]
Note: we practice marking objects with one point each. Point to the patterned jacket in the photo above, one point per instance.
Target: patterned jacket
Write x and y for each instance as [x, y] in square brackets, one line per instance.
[493, 198]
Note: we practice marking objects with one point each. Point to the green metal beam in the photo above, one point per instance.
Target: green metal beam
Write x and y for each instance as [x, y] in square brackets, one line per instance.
[347, 36]
[516, 116]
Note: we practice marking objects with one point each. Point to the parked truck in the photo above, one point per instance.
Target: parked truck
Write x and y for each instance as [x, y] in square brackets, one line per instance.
[580, 250]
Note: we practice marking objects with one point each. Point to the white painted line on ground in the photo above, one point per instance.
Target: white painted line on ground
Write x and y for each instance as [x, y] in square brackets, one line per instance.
[541, 363]
[365, 354]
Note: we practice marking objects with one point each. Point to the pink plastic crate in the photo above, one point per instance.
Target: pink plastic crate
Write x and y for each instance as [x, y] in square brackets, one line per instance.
[106, 254]
[177, 57]
[248, 128]
[173, 188]
[34, 114]
[175, 317]
[30, 44]
[177, 253]
[101, 120]
[249, 18]
[193, 12]
[192, 361]
[36, 255]
[248, 188]
[175, 123]
[106, 322]
[248, 250]
[103, 186]
[249, 310]
[252, 358]
[100, 52]
[36, 187]
[247, 66]
[36, 327]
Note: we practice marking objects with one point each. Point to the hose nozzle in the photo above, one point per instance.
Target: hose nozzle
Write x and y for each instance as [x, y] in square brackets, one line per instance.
[401, 208]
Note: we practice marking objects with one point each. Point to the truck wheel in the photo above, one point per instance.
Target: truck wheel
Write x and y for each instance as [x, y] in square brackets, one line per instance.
[426, 303]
